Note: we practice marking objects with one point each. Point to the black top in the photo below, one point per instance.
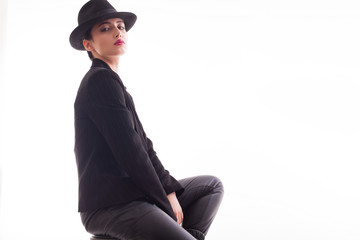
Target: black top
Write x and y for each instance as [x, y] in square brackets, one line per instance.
[116, 161]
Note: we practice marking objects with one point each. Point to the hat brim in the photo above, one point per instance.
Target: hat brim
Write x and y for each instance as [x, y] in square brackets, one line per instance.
[76, 36]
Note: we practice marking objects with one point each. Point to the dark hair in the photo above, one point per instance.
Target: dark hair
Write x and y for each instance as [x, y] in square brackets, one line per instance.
[87, 36]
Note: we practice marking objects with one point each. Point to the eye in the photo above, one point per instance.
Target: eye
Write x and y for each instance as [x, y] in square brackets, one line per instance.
[104, 29]
[121, 27]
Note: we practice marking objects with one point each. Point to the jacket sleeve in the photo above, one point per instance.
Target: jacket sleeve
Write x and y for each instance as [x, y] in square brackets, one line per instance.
[169, 183]
[108, 111]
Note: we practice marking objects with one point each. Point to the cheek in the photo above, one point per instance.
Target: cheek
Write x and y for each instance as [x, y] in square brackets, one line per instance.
[102, 42]
[102, 38]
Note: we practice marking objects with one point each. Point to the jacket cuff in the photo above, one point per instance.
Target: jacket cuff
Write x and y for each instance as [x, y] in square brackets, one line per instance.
[173, 185]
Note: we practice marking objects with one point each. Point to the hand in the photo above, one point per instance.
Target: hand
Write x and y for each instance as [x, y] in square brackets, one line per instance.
[176, 207]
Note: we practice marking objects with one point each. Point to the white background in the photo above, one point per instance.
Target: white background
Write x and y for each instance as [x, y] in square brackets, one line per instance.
[262, 94]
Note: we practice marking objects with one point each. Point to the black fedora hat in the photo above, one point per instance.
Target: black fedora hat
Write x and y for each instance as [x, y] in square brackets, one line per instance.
[93, 12]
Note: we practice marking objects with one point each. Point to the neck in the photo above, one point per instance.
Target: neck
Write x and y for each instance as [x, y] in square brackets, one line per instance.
[113, 62]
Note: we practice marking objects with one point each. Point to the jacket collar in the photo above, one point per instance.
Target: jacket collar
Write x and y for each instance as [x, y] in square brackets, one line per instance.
[99, 63]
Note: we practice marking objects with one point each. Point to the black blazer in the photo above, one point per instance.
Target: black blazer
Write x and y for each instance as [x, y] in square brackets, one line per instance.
[116, 161]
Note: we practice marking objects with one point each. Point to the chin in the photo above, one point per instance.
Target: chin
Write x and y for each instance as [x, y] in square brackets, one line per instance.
[120, 53]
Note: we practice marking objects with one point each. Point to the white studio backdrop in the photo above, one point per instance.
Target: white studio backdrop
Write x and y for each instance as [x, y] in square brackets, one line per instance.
[262, 94]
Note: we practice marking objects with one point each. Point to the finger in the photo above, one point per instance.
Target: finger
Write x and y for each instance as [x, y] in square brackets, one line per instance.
[182, 216]
[178, 218]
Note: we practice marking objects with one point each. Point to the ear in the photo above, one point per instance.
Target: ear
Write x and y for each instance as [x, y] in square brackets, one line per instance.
[87, 45]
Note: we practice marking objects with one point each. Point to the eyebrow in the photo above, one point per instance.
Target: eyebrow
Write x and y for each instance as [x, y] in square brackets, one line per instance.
[119, 21]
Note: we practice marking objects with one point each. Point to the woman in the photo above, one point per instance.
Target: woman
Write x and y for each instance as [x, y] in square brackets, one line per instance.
[124, 190]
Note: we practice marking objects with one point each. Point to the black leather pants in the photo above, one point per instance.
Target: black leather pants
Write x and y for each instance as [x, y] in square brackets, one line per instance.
[140, 220]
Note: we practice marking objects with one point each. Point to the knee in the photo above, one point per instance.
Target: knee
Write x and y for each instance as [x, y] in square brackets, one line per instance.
[216, 184]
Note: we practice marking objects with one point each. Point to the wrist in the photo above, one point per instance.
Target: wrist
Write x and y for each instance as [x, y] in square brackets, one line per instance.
[171, 194]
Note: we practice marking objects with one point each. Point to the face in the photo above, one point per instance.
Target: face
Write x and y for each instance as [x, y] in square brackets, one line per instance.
[109, 39]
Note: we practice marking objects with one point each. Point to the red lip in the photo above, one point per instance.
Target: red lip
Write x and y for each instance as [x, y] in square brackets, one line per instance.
[119, 42]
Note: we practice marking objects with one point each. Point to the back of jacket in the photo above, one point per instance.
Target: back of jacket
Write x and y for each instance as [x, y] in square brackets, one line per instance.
[116, 161]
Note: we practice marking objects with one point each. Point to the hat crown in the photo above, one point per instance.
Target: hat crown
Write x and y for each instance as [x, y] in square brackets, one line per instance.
[93, 9]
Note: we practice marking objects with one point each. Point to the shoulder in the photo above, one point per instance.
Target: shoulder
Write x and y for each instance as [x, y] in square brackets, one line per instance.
[100, 74]
[99, 78]
[104, 86]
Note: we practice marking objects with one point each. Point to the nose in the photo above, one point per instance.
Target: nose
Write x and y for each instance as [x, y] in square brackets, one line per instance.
[117, 33]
